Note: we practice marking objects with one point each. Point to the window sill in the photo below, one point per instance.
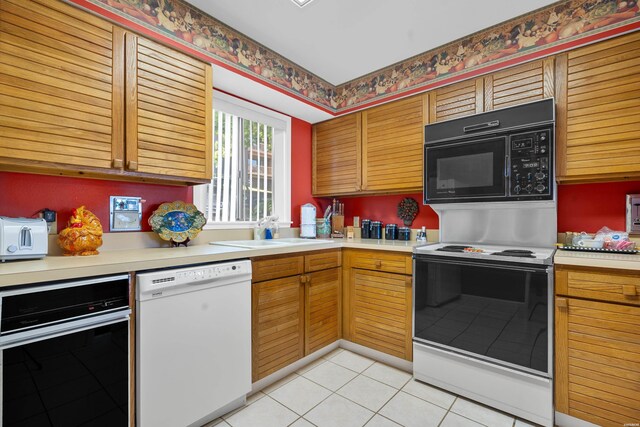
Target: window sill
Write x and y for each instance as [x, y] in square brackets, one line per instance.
[238, 225]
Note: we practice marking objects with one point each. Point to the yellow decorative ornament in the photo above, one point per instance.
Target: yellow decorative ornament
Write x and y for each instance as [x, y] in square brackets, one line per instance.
[83, 235]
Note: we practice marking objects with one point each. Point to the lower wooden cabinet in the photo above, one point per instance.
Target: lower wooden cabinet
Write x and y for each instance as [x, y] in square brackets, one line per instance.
[597, 369]
[294, 311]
[381, 311]
[377, 299]
[277, 325]
[322, 309]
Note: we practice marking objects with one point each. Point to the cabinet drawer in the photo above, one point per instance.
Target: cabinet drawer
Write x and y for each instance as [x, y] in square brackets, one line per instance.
[381, 261]
[605, 285]
[322, 261]
[266, 268]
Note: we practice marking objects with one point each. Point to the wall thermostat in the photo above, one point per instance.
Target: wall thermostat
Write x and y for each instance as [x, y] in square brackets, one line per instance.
[125, 213]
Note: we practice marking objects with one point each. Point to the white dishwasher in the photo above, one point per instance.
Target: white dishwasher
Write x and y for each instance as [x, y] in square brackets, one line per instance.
[193, 343]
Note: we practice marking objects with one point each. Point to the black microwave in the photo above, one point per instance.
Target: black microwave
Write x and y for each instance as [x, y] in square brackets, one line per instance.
[497, 156]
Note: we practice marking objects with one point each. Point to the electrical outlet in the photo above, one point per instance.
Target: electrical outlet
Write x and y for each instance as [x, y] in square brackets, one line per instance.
[633, 213]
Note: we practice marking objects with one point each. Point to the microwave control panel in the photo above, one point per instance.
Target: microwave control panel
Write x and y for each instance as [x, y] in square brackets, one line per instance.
[531, 168]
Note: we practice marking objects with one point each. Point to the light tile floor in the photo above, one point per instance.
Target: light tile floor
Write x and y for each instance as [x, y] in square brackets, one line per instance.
[344, 389]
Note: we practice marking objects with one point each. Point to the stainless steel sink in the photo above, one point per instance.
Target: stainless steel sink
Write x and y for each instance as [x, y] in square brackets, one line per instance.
[275, 243]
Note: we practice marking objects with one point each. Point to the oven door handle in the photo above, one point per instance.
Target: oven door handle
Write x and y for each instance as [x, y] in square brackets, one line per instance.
[484, 264]
[64, 328]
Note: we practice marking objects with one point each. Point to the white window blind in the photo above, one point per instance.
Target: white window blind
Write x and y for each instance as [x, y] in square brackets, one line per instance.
[251, 166]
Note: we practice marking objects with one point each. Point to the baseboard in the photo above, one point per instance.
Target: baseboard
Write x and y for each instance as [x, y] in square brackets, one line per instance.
[565, 420]
[288, 370]
[387, 359]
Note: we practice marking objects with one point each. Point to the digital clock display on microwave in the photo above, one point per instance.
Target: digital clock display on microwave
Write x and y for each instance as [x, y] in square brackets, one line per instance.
[521, 143]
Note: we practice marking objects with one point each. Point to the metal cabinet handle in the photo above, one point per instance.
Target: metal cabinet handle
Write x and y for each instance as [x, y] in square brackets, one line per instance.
[629, 290]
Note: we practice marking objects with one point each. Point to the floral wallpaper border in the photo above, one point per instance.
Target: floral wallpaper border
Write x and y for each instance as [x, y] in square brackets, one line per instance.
[553, 26]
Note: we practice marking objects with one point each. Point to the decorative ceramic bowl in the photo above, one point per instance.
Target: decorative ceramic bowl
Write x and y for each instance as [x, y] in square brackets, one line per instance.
[178, 222]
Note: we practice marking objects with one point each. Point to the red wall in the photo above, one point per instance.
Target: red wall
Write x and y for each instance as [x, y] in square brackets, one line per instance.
[26, 194]
[588, 207]
[385, 209]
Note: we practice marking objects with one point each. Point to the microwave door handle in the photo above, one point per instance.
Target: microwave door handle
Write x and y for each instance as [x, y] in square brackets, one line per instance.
[481, 126]
[507, 166]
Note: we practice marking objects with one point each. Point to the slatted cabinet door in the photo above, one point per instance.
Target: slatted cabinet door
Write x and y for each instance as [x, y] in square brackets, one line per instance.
[597, 364]
[518, 85]
[597, 134]
[392, 141]
[336, 156]
[322, 309]
[456, 100]
[380, 305]
[169, 112]
[277, 324]
[61, 83]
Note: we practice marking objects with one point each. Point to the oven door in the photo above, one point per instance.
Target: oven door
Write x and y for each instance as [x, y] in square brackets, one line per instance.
[466, 171]
[500, 312]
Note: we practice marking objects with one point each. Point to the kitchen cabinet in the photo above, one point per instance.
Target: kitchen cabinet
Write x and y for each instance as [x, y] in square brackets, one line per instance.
[101, 103]
[518, 85]
[597, 95]
[392, 139]
[296, 306]
[376, 151]
[336, 156]
[168, 105]
[377, 298]
[597, 372]
[457, 100]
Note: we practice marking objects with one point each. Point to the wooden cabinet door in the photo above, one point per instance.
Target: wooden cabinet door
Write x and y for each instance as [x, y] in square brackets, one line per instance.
[456, 100]
[169, 112]
[61, 83]
[597, 376]
[277, 325]
[322, 309]
[392, 141]
[598, 96]
[336, 156]
[518, 85]
[380, 311]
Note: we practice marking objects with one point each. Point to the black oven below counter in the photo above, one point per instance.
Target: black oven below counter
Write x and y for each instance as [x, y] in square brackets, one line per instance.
[499, 312]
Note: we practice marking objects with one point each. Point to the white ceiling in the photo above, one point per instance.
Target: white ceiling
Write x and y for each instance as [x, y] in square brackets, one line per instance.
[340, 40]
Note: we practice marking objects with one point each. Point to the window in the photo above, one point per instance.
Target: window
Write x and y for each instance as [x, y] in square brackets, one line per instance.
[251, 165]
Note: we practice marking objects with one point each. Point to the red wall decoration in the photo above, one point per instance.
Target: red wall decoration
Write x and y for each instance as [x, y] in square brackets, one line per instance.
[26, 194]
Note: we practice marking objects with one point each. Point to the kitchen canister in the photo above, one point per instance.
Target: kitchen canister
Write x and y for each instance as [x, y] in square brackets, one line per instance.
[323, 227]
[366, 229]
[391, 232]
[404, 233]
[376, 230]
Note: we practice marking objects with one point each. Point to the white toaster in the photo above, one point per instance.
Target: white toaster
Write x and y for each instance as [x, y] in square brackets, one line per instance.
[23, 238]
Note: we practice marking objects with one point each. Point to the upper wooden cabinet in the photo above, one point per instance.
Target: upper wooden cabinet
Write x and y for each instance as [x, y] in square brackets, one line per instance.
[336, 156]
[64, 74]
[61, 103]
[456, 100]
[518, 85]
[376, 151]
[168, 106]
[598, 95]
[392, 138]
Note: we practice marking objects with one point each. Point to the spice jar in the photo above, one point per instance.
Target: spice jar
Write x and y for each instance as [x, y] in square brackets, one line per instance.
[391, 232]
[404, 233]
[366, 229]
[376, 230]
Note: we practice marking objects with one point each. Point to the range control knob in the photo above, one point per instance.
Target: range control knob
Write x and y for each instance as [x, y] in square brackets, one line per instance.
[540, 175]
[529, 188]
[540, 188]
[543, 150]
[517, 189]
[543, 136]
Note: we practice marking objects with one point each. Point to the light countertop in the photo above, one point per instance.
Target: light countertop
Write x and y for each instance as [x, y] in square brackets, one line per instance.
[53, 268]
[597, 260]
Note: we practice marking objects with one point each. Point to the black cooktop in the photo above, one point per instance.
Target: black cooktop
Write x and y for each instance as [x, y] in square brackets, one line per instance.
[452, 248]
[519, 253]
